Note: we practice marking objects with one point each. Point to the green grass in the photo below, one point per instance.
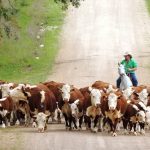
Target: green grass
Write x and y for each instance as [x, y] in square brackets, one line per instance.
[18, 61]
[148, 5]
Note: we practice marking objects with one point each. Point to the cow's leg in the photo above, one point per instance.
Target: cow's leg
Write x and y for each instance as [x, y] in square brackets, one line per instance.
[80, 122]
[142, 125]
[110, 124]
[70, 122]
[114, 127]
[66, 120]
[8, 119]
[105, 124]
[95, 129]
[100, 124]
[58, 116]
[134, 127]
[87, 122]
[74, 122]
[131, 126]
[4, 121]
[125, 124]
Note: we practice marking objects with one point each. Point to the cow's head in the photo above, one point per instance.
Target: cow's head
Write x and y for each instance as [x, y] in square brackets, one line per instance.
[65, 92]
[74, 108]
[128, 92]
[5, 88]
[112, 101]
[110, 89]
[95, 96]
[141, 116]
[143, 96]
[41, 120]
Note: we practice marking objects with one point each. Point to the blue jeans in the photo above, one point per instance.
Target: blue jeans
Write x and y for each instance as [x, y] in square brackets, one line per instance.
[132, 77]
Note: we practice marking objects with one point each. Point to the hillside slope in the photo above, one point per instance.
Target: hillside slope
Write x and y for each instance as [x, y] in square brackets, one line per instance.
[28, 55]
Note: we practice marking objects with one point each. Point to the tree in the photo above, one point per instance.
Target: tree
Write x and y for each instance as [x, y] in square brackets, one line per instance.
[7, 11]
[66, 3]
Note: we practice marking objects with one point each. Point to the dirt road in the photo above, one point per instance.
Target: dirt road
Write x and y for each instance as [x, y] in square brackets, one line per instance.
[94, 38]
[96, 35]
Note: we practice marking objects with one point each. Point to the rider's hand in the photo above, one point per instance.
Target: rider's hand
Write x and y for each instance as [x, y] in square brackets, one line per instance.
[130, 69]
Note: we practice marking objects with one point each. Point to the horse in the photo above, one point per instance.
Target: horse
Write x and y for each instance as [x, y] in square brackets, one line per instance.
[125, 80]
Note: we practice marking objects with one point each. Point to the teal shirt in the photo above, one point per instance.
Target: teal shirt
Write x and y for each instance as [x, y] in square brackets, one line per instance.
[130, 64]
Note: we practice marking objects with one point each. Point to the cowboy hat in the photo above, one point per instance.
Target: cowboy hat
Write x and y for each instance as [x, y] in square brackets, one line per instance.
[128, 54]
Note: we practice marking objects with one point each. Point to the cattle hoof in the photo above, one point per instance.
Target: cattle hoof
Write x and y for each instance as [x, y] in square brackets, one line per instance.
[95, 130]
[79, 129]
[8, 124]
[125, 132]
[114, 134]
[34, 125]
[135, 133]
[142, 132]
[3, 125]
[99, 130]
[70, 129]
[17, 123]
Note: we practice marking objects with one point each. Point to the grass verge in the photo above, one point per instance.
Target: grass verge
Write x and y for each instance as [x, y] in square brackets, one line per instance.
[22, 59]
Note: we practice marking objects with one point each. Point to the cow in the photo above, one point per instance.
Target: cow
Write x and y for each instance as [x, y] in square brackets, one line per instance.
[6, 110]
[106, 87]
[91, 106]
[40, 99]
[113, 107]
[135, 114]
[66, 95]
[5, 87]
[136, 110]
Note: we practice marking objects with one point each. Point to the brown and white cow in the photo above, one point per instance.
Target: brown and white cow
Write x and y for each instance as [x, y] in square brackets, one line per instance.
[40, 99]
[68, 96]
[91, 105]
[6, 110]
[137, 98]
[106, 87]
[113, 106]
[135, 115]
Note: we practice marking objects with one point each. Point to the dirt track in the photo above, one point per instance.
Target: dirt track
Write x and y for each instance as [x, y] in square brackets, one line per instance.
[96, 35]
[94, 38]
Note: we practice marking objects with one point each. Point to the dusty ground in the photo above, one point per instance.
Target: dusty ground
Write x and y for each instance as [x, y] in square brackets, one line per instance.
[94, 38]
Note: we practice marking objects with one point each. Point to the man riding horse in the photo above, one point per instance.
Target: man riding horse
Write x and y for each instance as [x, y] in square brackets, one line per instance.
[130, 67]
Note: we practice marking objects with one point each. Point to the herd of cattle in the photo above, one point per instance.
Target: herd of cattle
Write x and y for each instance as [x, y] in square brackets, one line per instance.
[95, 106]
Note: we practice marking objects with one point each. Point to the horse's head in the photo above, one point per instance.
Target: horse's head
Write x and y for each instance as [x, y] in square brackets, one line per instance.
[121, 69]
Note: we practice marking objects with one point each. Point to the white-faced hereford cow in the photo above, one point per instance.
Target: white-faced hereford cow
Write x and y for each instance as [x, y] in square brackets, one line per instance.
[136, 111]
[41, 100]
[70, 101]
[113, 106]
[91, 106]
